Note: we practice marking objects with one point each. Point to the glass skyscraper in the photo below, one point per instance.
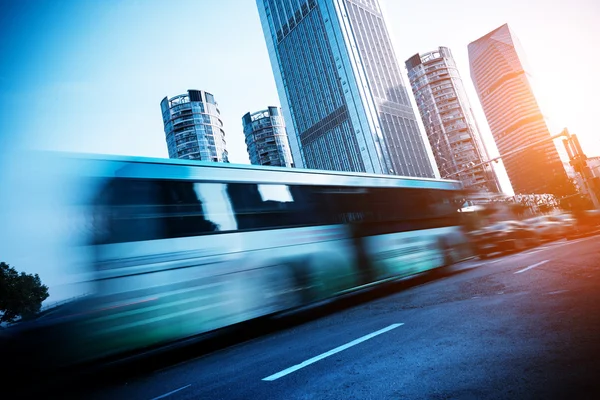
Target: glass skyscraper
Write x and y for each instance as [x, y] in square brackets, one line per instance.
[193, 127]
[503, 83]
[343, 97]
[449, 121]
[266, 138]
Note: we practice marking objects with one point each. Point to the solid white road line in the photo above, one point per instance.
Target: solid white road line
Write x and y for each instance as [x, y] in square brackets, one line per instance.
[551, 246]
[329, 353]
[579, 240]
[532, 266]
[558, 291]
[533, 252]
[172, 392]
[559, 244]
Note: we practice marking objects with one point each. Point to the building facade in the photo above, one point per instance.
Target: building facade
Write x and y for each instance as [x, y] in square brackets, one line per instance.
[594, 166]
[266, 138]
[449, 120]
[343, 97]
[503, 82]
[193, 127]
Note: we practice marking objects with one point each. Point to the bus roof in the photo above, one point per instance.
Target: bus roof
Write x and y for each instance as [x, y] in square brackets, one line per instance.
[146, 167]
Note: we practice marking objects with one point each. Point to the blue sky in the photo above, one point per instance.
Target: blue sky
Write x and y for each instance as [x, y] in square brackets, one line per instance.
[88, 76]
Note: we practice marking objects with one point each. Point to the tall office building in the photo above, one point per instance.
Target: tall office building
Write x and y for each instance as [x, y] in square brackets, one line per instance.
[503, 83]
[193, 127]
[343, 97]
[266, 138]
[449, 121]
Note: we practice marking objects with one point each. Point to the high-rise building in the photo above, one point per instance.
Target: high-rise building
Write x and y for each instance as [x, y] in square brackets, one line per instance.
[449, 120]
[343, 97]
[266, 138]
[503, 82]
[193, 127]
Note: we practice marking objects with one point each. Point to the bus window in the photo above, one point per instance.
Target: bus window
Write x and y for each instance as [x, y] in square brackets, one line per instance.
[129, 210]
[339, 205]
[275, 193]
[216, 204]
[183, 211]
[271, 206]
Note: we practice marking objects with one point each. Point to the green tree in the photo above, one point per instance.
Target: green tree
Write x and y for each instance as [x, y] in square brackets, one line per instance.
[21, 295]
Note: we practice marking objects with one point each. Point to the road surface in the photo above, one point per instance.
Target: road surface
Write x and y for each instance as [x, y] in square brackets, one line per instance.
[523, 326]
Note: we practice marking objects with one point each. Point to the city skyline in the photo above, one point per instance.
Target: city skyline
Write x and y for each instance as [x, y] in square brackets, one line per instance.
[254, 199]
[58, 37]
[88, 76]
[503, 81]
[342, 91]
[448, 118]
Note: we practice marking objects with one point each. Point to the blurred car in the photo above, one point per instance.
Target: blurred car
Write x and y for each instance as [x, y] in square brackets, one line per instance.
[592, 217]
[548, 227]
[503, 237]
[569, 223]
[587, 223]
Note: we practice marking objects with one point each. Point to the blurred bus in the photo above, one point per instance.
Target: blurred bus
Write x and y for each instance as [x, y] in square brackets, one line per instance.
[182, 248]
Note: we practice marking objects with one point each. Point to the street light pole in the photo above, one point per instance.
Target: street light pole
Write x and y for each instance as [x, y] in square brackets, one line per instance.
[577, 159]
[510, 153]
[579, 162]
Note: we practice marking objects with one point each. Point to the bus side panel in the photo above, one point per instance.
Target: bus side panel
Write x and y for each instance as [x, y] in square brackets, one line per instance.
[150, 294]
[407, 253]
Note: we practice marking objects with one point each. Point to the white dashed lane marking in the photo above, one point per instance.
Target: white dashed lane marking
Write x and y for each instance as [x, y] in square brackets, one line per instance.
[171, 392]
[532, 266]
[329, 353]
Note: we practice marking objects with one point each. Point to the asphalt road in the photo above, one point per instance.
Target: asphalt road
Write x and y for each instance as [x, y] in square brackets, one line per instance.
[523, 326]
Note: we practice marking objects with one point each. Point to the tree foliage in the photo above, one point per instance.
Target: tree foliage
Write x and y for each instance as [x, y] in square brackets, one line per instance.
[576, 204]
[21, 294]
[561, 186]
